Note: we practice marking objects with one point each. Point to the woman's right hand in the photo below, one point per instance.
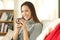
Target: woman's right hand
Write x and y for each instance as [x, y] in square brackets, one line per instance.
[17, 29]
[18, 24]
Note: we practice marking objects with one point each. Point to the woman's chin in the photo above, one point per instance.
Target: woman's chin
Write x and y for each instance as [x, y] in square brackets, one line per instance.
[26, 19]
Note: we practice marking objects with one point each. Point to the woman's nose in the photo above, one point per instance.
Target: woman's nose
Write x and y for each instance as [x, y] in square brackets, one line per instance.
[24, 13]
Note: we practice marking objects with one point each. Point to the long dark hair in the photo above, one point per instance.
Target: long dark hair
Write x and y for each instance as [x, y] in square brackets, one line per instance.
[32, 9]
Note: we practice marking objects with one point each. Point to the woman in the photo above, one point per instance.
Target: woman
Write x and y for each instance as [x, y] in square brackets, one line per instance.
[29, 27]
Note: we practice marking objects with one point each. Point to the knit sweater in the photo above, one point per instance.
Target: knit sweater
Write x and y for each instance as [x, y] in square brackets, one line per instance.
[33, 28]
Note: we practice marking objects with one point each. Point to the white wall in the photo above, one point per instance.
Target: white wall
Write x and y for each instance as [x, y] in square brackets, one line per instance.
[6, 4]
[48, 9]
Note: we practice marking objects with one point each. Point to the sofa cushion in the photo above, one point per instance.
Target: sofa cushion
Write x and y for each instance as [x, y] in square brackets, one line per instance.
[46, 23]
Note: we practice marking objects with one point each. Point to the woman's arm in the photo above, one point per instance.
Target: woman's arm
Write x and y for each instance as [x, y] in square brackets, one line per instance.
[25, 32]
[25, 35]
[16, 30]
[15, 36]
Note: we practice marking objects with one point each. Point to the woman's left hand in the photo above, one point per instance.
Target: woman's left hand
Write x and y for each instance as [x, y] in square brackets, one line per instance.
[23, 24]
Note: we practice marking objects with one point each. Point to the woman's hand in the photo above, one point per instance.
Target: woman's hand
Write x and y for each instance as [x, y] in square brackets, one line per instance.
[25, 32]
[23, 24]
[18, 24]
[16, 29]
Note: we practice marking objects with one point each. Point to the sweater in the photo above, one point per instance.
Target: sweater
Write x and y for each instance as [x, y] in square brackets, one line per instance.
[33, 28]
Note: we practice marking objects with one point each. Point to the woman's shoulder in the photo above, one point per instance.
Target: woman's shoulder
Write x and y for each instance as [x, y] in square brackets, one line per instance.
[35, 31]
[37, 24]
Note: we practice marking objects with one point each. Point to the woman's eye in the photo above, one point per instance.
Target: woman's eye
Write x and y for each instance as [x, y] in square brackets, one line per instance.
[26, 10]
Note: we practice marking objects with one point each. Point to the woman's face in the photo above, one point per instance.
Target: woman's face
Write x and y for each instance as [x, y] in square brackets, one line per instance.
[26, 13]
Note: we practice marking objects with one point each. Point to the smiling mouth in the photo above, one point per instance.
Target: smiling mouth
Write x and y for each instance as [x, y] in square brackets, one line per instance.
[25, 17]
